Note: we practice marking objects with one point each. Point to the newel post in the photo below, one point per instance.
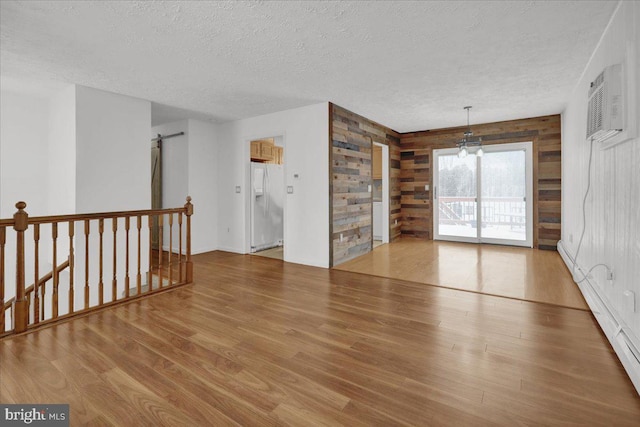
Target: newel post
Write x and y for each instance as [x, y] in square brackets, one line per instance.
[188, 207]
[20, 305]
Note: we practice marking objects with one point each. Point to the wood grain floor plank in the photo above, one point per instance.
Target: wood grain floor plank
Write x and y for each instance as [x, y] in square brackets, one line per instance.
[200, 377]
[43, 379]
[145, 401]
[82, 409]
[372, 416]
[389, 403]
[618, 405]
[98, 421]
[256, 341]
[143, 364]
[522, 273]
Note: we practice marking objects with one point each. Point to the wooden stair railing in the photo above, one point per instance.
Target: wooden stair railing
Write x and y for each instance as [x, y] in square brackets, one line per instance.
[38, 290]
[88, 288]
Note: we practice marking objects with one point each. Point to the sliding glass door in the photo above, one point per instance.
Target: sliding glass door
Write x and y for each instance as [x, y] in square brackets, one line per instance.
[504, 196]
[457, 195]
[484, 199]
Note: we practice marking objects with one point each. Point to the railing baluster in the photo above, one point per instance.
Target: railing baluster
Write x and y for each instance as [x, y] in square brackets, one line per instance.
[138, 275]
[170, 247]
[28, 297]
[20, 310]
[71, 267]
[54, 299]
[86, 263]
[36, 273]
[3, 241]
[150, 274]
[189, 211]
[180, 246]
[160, 235]
[43, 299]
[114, 282]
[100, 282]
[126, 263]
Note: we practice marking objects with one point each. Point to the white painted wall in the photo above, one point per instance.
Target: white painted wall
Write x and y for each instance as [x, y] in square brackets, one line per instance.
[203, 185]
[305, 135]
[23, 168]
[189, 167]
[61, 153]
[612, 231]
[64, 154]
[113, 167]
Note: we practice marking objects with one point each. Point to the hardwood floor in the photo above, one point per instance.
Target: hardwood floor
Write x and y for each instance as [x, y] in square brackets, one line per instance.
[522, 273]
[256, 341]
[275, 253]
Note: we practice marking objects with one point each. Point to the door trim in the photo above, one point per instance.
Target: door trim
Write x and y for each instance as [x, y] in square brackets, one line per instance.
[385, 192]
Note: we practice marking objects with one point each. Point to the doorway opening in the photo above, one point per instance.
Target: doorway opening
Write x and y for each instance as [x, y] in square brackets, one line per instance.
[267, 197]
[484, 199]
[380, 193]
[168, 177]
[156, 186]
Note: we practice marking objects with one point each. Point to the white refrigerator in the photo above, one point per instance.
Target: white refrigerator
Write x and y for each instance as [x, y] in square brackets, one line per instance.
[267, 197]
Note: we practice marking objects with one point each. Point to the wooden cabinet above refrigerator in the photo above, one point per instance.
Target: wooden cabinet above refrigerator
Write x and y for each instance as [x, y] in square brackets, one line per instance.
[265, 151]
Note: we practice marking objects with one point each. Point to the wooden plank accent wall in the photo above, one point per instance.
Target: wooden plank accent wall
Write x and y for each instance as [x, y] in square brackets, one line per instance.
[416, 160]
[352, 138]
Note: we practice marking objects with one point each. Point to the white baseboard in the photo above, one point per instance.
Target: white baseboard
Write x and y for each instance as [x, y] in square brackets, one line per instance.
[308, 262]
[193, 250]
[231, 249]
[623, 340]
[203, 250]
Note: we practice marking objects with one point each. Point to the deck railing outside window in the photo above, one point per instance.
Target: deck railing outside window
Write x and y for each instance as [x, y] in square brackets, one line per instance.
[496, 211]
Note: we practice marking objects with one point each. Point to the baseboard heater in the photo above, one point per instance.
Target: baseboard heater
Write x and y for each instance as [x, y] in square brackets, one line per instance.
[623, 340]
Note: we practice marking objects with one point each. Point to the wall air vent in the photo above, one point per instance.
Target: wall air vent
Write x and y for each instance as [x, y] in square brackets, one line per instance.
[605, 115]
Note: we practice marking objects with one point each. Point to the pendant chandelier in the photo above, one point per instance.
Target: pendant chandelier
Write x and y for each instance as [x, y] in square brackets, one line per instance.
[469, 141]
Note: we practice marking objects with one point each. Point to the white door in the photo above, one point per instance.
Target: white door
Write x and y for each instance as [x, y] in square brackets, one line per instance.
[486, 199]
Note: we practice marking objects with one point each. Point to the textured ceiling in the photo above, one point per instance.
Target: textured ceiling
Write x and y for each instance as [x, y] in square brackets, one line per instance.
[408, 65]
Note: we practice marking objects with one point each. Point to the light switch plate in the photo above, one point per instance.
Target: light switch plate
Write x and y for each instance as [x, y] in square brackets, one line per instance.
[426, 187]
[289, 189]
[237, 189]
[630, 298]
